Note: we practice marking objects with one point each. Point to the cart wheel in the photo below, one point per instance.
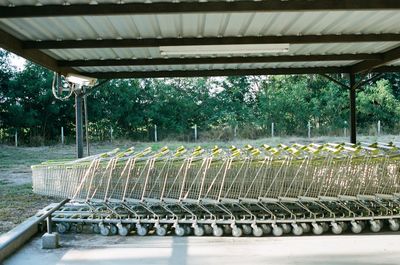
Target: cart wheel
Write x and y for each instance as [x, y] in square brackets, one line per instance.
[286, 228]
[161, 231]
[217, 231]
[344, 226]
[247, 230]
[317, 229]
[297, 230]
[257, 231]
[306, 227]
[199, 231]
[266, 229]
[123, 231]
[394, 225]
[179, 231]
[95, 228]
[379, 222]
[188, 230]
[325, 227]
[78, 228]
[105, 231]
[237, 232]
[113, 229]
[375, 226]
[227, 229]
[208, 230]
[336, 229]
[67, 225]
[61, 228]
[277, 231]
[141, 231]
[356, 228]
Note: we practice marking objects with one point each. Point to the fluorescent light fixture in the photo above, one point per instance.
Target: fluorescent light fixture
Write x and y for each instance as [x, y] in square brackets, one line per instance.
[81, 80]
[224, 49]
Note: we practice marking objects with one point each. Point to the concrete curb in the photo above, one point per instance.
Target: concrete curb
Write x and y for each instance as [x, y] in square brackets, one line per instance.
[14, 239]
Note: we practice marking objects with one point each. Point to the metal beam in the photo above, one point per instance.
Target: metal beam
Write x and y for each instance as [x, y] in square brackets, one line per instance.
[229, 72]
[78, 123]
[345, 86]
[219, 60]
[367, 66]
[219, 72]
[14, 45]
[156, 42]
[368, 80]
[387, 69]
[196, 7]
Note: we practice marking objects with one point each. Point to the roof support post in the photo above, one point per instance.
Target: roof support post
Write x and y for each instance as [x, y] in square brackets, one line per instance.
[352, 97]
[78, 123]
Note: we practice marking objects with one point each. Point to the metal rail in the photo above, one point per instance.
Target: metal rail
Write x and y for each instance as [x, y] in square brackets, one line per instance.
[14, 239]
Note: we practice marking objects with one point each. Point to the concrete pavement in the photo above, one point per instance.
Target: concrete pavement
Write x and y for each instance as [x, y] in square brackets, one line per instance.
[383, 249]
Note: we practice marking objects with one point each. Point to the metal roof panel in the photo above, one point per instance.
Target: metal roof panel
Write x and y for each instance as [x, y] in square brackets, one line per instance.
[295, 49]
[212, 66]
[195, 25]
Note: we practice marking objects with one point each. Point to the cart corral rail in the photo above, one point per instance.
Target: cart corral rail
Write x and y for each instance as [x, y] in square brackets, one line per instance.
[252, 190]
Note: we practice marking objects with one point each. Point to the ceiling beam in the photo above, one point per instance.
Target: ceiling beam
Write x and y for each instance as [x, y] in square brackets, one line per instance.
[219, 60]
[387, 69]
[219, 72]
[156, 42]
[232, 72]
[196, 7]
[14, 45]
[386, 58]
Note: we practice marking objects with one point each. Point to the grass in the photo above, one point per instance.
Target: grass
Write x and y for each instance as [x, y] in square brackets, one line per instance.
[17, 201]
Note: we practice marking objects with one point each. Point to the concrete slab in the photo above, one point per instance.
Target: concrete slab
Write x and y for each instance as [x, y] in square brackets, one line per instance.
[98, 250]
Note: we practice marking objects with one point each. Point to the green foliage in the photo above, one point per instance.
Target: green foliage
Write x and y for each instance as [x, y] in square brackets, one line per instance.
[216, 105]
[29, 106]
[377, 102]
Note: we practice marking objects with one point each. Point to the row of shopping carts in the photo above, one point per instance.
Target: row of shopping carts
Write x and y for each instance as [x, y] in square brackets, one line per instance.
[251, 190]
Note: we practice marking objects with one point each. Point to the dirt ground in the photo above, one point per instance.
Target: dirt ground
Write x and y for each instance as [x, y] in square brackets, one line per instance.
[17, 201]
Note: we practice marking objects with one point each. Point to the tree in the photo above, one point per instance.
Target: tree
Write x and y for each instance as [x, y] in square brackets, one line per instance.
[133, 107]
[31, 107]
[377, 102]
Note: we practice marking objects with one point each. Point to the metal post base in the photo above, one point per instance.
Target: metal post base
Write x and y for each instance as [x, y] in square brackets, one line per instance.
[50, 241]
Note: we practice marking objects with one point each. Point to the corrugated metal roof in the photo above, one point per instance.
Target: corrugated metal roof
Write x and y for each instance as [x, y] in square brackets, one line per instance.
[201, 25]
[295, 49]
[212, 66]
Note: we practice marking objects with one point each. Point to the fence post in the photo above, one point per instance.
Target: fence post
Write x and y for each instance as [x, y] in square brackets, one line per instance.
[62, 135]
[155, 133]
[309, 129]
[345, 132]
[272, 130]
[111, 134]
[195, 132]
[16, 138]
[379, 128]
[235, 131]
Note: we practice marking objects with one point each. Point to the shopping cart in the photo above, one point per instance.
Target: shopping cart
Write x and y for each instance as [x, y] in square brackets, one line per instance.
[233, 191]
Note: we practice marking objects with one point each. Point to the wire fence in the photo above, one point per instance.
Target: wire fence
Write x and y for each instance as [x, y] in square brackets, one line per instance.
[154, 133]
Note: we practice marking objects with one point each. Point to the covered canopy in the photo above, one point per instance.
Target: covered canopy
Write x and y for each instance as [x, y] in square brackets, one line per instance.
[137, 38]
